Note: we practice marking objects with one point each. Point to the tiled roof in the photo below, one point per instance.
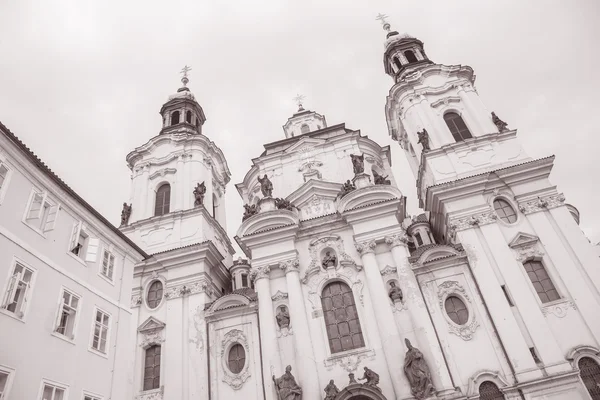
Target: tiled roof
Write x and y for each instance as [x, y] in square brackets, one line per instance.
[249, 293]
[48, 172]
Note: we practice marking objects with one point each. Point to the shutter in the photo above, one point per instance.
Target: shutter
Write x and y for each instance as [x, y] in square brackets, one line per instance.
[60, 310]
[92, 249]
[10, 292]
[52, 216]
[35, 208]
[74, 235]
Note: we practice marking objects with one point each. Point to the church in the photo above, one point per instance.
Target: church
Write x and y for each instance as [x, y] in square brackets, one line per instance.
[491, 293]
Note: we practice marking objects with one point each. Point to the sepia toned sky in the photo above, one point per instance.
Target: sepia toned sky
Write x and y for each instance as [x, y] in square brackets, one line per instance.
[82, 81]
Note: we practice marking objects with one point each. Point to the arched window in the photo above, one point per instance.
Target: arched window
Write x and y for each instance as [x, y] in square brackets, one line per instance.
[457, 126]
[590, 375]
[541, 281]
[341, 318]
[489, 391]
[152, 368]
[236, 358]
[456, 310]
[214, 206]
[245, 280]
[155, 294]
[505, 211]
[304, 128]
[410, 56]
[419, 239]
[175, 118]
[163, 200]
[188, 117]
[397, 63]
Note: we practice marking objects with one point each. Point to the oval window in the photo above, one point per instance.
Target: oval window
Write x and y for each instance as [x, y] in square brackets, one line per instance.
[155, 294]
[236, 358]
[505, 211]
[456, 310]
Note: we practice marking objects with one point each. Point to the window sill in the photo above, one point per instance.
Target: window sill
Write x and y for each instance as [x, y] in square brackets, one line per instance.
[555, 302]
[12, 315]
[36, 230]
[98, 352]
[77, 258]
[106, 278]
[360, 354]
[63, 337]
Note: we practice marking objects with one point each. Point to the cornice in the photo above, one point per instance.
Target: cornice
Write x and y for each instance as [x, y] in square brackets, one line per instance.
[542, 203]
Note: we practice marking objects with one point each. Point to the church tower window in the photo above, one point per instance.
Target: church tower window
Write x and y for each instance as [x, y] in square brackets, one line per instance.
[457, 126]
[304, 128]
[489, 391]
[236, 358]
[341, 318]
[541, 281]
[155, 294]
[163, 200]
[152, 368]
[590, 375]
[188, 117]
[456, 310]
[397, 63]
[410, 56]
[175, 118]
[214, 206]
[505, 211]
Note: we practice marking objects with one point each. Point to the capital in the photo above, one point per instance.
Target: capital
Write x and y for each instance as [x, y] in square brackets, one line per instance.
[290, 265]
[259, 273]
[365, 247]
[399, 239]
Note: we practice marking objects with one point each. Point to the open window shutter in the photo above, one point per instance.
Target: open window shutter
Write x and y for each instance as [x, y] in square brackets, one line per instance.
[74, 235]
[35, 209]
[60, 311]
[10, 292]
[25, 299]
[92, 250]
[52, 216]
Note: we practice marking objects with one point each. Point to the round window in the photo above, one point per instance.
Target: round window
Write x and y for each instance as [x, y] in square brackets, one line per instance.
[505, 211]
[155, 294]
[236, 358]
[456, 310]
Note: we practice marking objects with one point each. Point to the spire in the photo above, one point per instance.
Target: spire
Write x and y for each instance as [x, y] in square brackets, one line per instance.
[299, 99]
[386, 25]
[182, 113]
[184, 78]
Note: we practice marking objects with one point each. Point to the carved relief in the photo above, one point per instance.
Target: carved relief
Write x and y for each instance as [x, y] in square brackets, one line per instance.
[478, 219]
[236, 381]
[290, 265]
[542, 203]
[467, 330]
[156, 394]
[259, 273]
[176, 291]
[151, 331]
[525, 253]
[348, 273]
[136, 300]
[365, 247]
[349, 362]
[559, 310]
[332, 241]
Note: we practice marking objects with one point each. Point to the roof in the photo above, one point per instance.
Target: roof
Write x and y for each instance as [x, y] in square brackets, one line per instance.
[48, 172]
[249, 293]
[418, 252]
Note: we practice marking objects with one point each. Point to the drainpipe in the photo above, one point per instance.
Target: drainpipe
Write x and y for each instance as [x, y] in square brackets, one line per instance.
[115, 352]
[262, 374]
[208, 359]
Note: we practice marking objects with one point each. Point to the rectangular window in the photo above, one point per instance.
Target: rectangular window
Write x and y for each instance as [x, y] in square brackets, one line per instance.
[152, 368]
[244, 280]
[82, 244]
[419, 239]
[4, 379]
[108, 264]
[52, 392]
[42, 212]
[67, 314]
[541, 281]
[90, 397]
[4, 171]
[100, 335]
[18, 290]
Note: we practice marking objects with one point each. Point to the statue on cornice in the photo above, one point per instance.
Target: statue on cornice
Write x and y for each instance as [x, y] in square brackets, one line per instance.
[371, 377]
[283, 317]
[283, 204]
[331, 391]
[286, 386]
[249, 210]
[501, 125]
[380, 179]
[266, 187]
[125, 214]
[417, 372]
[358, 163]
[395, 293]
[199, 193]
[424, 140]
[346, 188]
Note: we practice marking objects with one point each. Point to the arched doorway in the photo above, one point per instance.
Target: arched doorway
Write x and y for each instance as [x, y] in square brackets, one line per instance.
[590, 375]
[356, 391]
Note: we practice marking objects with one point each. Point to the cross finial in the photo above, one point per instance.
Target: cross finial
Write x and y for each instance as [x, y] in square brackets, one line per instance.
[184, 75]
[382, 17]
[299, 99]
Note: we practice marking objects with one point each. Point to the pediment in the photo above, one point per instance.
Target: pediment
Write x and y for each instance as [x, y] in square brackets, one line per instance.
[267, 221]
[229, 301]
[304, 144]
[523, 240]
[151, 325]
[315, 198]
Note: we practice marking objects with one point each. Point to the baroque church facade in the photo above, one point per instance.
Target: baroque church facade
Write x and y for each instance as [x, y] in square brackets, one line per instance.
[492, 292]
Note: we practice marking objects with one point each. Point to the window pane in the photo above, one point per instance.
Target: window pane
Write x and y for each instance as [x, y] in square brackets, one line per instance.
[505, 211]
[456, 310]
[541, 281]
[163, 199]
[489, 391]
[457, 126]
[155, 294]
[152, 368]
[341, 321]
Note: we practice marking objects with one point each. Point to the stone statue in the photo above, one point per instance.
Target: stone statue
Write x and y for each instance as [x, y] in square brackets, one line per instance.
[286, 386]
[346, 188]
[283, 204]
[417, 372]
[501, 125]
[358, 163]
[329, 260]
[424, 140]
[351, 378]
[372, 378]
[199, 193]
[266, 187]
[125, 214]
[380, 179]
[395, 292]
[331, 391]
[249, 211]
[283, 317]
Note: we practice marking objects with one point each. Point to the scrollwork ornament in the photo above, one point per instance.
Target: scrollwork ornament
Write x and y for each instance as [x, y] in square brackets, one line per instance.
[259, 273]
[388, 270]
[290, 265]
[560, 309]
[236, 381]
[136, 300]
[542, 203]
[398, 239]
[447, 289]
[527, 253]
[365, 247]
[350, 362]
[156, 394]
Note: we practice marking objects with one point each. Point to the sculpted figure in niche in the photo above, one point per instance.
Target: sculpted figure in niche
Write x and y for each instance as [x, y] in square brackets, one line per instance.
[249, 211]
[424, 140]
[283, 317]
[331, 391]
[371, 376]
[358, 163]
[501, 125]
[330, 260]
[380, 179]
[266, 187]
[199, 193]
[395, 292]
[125, 214]
[286, 386]
[417, 372]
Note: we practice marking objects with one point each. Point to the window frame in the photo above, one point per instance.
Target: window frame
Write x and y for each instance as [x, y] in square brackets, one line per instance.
[90, 247]
[108, 332]
[158, 187]
[160, 368]
[92, 396]
[172, 114]
[511, 204]
[457, 112]
[29, 292]
[54, 384]
[540, 260]
[147, 289]
[110, 279]
[58, 317]
[453, 295]
[229, 350]
[10, 374]
[7, 178]
[45, 224]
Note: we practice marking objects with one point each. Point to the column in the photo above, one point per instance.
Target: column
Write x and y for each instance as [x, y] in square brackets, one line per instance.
[390, 340]
[418, 313]
[306, 370]
[473, 115]
[266, 321]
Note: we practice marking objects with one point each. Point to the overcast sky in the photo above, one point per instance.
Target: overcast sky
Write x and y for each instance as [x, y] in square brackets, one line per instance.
[81, 82]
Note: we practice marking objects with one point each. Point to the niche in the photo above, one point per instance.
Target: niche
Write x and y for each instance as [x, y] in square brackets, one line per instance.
[329, 258]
